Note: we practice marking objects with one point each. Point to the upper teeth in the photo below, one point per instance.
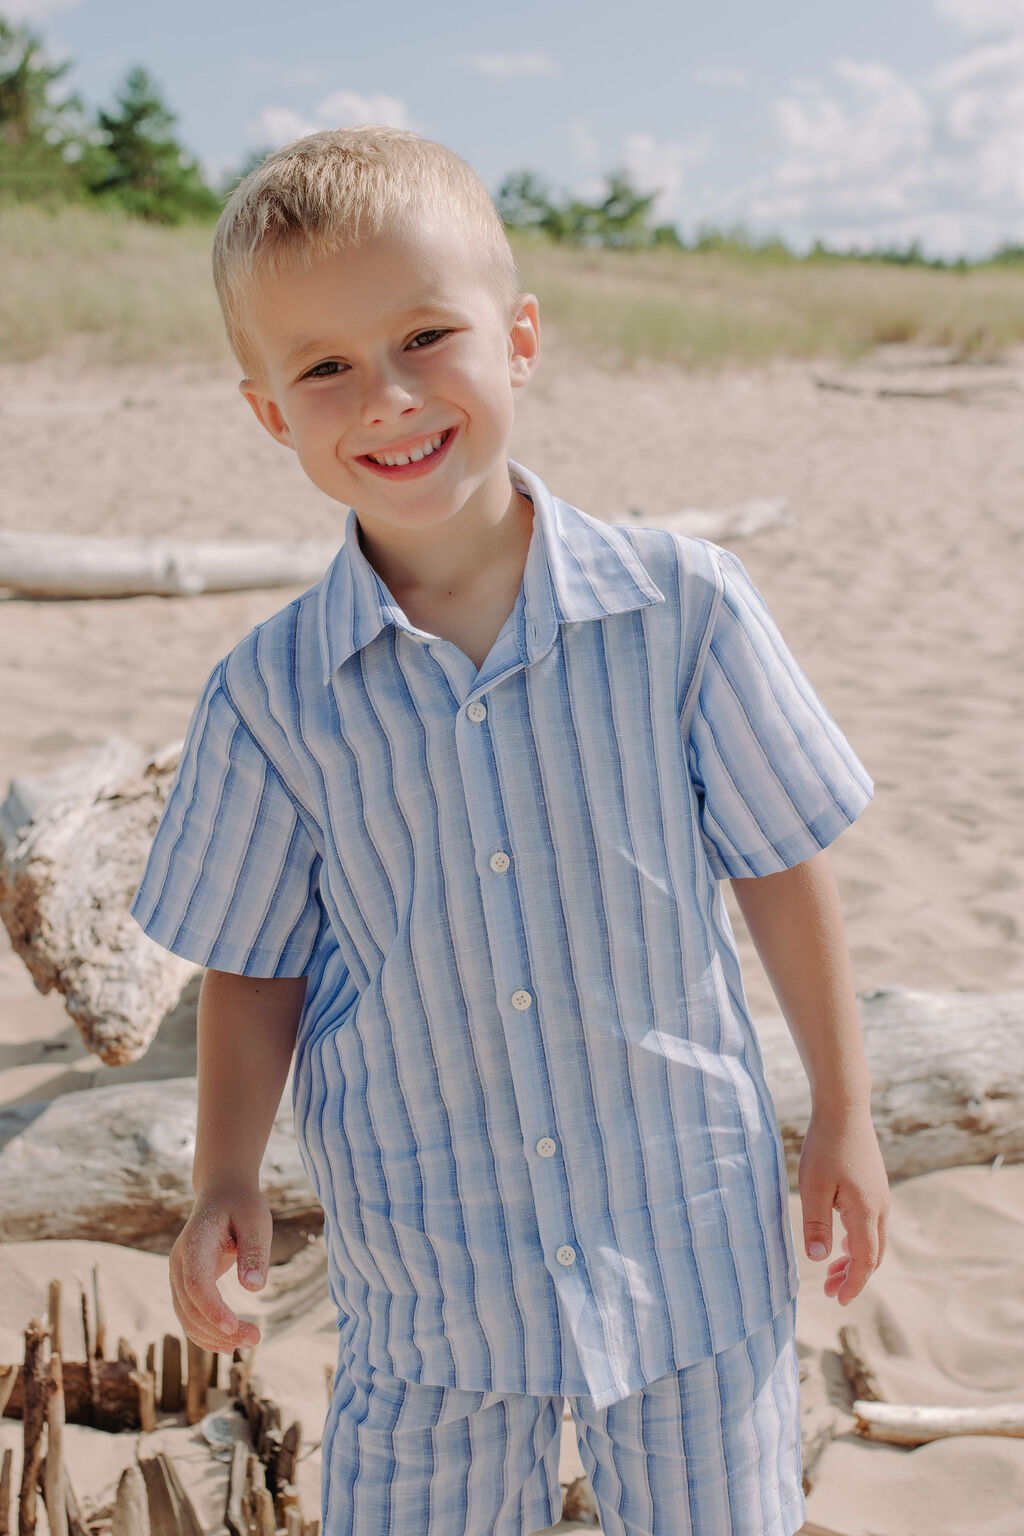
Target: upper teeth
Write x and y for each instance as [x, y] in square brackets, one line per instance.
[425, 449]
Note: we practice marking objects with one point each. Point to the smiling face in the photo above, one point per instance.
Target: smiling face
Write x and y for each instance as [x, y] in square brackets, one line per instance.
[396, 348]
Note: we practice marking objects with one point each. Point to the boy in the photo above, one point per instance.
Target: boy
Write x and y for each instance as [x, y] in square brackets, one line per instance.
[450, 827]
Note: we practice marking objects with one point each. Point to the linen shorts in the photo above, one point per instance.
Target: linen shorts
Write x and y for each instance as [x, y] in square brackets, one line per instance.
[710, 1450]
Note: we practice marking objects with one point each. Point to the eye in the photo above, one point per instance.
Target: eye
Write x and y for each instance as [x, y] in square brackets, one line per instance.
[323, 371]
[433, 335]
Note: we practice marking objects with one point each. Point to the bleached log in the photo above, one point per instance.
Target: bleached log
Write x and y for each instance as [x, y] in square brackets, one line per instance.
[73, 846]
[64, 565]
[902, 1425]
[947, 1071]
[115, 1165]
[738, 522]
[131, 1507]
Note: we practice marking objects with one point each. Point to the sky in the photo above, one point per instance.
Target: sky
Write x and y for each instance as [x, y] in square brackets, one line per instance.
[875, 123]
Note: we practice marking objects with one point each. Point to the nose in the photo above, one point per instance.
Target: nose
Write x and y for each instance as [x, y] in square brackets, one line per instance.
[389, 392]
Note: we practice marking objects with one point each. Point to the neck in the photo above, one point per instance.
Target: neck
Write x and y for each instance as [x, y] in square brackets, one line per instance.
[450, 562]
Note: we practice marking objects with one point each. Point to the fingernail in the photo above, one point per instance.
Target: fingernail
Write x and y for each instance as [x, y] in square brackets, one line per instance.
[817, 1250]
[253, 1277]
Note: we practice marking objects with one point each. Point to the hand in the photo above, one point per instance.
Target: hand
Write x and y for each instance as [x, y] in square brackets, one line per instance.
[227, 1226]
[841, 1169]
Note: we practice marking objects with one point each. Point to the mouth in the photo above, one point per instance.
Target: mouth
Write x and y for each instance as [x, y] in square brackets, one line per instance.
[414, 469]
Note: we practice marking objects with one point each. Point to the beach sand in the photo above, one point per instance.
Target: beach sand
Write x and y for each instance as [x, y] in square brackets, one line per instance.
[898, 588]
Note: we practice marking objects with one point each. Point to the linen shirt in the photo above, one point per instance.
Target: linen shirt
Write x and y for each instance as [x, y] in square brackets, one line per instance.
[526, 1087]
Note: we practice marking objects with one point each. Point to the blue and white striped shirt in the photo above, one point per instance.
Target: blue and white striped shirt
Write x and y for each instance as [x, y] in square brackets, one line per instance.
[526, 1087]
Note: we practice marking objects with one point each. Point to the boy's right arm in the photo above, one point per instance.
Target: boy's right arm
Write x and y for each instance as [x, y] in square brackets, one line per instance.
[246, 1034]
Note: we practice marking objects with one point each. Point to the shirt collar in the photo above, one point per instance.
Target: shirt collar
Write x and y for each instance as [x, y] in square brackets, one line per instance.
[577, 568]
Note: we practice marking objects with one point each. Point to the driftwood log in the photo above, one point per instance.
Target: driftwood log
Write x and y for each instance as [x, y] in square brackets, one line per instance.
[115, 1165]
[947, 1073]
[73, 845]
[739, 522]
[900, 1424]
[62, 565]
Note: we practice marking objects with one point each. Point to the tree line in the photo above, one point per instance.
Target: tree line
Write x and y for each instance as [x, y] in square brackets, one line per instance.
[127, 156]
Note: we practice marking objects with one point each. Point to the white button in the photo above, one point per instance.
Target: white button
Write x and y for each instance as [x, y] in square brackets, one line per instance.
[521, 1001]
[500, 862]
[546, 1147]
[476, 711]
[566, 1255]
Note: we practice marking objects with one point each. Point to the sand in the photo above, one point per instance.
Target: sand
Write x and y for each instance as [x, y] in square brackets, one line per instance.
[898, 588]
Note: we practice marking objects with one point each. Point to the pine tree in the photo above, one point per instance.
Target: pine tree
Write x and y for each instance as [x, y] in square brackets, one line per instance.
[137, 162]
[40, 139]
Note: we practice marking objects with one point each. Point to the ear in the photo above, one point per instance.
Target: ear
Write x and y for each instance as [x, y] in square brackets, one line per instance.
[524, 341]
[267, 412]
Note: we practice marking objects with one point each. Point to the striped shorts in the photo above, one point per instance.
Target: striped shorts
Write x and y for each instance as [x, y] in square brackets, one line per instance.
[710, 1450]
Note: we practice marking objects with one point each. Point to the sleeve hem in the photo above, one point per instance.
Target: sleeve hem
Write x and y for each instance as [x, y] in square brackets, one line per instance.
[774, 858]
[239, 960]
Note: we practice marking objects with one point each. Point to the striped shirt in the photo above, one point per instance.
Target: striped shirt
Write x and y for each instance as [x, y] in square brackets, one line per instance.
[527, 1090]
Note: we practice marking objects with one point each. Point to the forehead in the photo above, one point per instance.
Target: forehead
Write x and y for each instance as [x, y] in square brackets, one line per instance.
[384, 279]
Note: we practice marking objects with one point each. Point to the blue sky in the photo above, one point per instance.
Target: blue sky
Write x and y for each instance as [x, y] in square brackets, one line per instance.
[884, 121]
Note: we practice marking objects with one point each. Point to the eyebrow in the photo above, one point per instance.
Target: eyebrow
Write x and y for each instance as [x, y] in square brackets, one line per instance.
[407, 317]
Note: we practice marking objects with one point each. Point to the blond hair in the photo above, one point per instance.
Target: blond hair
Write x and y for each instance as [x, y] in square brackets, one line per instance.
[330, 190]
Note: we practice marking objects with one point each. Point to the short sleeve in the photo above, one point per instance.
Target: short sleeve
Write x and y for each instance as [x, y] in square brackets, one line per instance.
[232, 880]
[775, 778]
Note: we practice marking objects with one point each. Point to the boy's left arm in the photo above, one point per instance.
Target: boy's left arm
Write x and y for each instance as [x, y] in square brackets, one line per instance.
[796, 923]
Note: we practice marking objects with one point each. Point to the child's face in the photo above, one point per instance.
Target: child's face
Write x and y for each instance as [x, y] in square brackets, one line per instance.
[381, 349]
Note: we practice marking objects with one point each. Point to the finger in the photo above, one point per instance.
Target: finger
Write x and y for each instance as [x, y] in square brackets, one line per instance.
[254, 1232]
[862, 1231]
[817, 1215]
[201, 1331]
[201, 1302]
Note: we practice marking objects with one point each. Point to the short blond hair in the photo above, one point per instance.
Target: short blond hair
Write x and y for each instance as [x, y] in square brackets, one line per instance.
[330, 190]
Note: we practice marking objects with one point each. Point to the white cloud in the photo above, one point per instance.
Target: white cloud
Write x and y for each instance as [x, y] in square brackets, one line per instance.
[276, 126]
[722, 77]
[869, 156]
[984, 15]
[513, 66]
[662, 165]
[36, 10]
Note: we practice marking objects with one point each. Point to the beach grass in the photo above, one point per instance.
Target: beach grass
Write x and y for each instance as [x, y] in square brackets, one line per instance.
[127, 291]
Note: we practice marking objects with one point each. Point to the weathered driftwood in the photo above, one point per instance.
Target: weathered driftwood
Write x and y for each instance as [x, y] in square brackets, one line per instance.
[860, 1373]
[115, 1165]
[197, 1386]
[947, 1073]
[739, 522]
[131, 1507]
[33, 1418]
[62, 565]
[171, 1512]
[170, 1374]
[904, 1425]
[116, 1404]
[53, 1479]
[73, 846]
[5, 1492]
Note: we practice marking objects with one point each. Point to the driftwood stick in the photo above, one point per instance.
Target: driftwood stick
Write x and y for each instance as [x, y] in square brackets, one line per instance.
[8, 1376]
[171, 1400]
[234, 1514]
[294, 1525]
[145, 1382]
[5, 1492]
[126, 1354]
[151, 1358]
[101, 1313]
[188, 1520]
[902, 1425]
[131, 1507]
[76, 1520]
[53, 1483]
[288, 1455]
[262, 1509]
[53, 1318]
[859, 1373]
[34, 1417]
[198, 1382]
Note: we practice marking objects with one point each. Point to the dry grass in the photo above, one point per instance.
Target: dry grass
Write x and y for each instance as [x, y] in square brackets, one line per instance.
[140, 293]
